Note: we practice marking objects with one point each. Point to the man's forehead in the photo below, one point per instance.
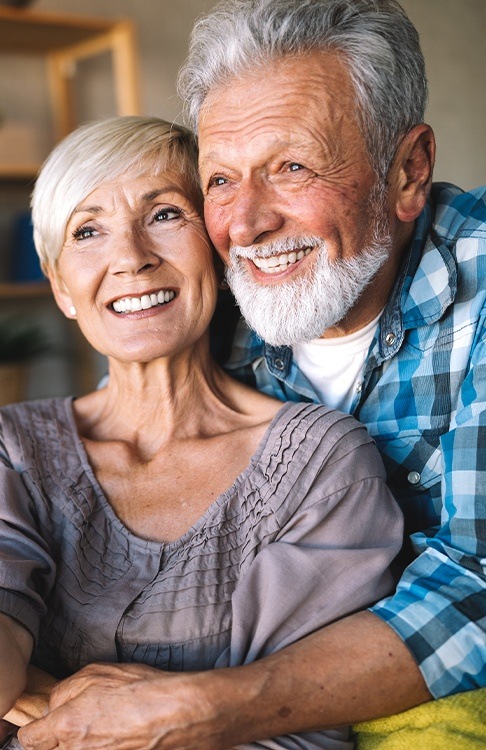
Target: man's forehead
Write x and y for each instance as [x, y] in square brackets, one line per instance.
[275, 96]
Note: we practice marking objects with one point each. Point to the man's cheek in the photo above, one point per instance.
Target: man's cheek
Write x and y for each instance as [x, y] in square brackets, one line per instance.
[216, 226]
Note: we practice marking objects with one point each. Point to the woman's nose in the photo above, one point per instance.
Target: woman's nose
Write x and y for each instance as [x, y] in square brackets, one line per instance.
[133, 253]
[253, 213]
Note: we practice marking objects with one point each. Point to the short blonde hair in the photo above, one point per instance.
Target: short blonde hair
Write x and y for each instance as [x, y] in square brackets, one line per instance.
[98, 152]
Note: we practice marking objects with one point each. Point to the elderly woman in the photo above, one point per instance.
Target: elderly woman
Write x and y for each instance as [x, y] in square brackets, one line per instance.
[174, 519]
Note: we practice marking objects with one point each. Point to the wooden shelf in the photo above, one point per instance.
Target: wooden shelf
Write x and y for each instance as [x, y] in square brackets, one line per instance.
[20, 173]
[33, 32]
[65, 40]
[13, 290]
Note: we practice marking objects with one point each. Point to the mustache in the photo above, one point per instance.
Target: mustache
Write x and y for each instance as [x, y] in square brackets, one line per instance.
[276, 247]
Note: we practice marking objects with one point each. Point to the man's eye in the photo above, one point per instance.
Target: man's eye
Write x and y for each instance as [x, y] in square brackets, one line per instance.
[167, 214]
[83, 233]
[294, 167]
[217, 181]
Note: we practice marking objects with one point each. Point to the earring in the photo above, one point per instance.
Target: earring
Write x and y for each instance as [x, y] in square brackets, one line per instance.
[72, 311]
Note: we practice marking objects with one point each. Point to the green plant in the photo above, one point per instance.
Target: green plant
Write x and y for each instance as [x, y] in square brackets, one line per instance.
[20, 341]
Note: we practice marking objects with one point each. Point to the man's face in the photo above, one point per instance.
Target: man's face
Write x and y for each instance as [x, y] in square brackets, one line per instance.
[283, 161]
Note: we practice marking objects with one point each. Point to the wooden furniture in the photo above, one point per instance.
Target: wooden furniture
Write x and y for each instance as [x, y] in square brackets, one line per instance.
[65, 40]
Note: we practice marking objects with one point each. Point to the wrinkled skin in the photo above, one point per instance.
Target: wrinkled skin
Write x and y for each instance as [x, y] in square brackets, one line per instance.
[115, 707]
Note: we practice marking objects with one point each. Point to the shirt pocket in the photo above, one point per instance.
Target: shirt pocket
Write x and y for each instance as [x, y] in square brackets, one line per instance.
[414, 467]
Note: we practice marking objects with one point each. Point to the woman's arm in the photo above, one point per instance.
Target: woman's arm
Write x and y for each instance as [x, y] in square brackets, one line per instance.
[15, 650]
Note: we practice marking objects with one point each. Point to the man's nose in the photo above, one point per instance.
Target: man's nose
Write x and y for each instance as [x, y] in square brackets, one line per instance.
[254, 213]
[133, 253]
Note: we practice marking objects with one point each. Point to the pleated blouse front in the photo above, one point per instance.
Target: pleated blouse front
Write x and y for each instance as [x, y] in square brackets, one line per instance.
[304, 535]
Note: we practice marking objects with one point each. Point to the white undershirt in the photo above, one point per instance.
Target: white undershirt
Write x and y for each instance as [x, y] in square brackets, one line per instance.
[335, 366]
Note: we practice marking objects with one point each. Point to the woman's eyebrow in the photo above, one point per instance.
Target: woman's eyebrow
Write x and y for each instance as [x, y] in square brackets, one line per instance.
[89, 209]
[150, 196]
[145, 198]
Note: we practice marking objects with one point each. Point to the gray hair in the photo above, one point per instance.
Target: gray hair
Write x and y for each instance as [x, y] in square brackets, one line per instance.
[96, 153]
[375, 38]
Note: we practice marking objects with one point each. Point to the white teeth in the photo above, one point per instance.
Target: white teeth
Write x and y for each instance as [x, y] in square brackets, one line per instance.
[145, 302]
[278, 263]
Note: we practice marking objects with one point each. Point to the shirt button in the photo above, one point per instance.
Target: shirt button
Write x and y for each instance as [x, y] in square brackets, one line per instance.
[279, 364]
[359, 387]
[414, 477]
[390, 338]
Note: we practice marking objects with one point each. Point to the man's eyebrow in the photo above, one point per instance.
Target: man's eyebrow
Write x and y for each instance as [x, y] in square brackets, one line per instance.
[214, 157]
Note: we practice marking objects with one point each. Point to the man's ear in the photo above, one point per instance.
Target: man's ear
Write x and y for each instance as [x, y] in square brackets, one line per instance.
[61, 295]
[411, 172]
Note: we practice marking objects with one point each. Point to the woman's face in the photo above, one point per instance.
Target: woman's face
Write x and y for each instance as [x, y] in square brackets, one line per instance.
[137, 265]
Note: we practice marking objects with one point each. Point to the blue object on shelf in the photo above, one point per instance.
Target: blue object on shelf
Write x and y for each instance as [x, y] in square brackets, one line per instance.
[25, 264]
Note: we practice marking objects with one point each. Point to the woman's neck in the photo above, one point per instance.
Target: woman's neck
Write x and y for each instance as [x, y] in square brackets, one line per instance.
[148, 404]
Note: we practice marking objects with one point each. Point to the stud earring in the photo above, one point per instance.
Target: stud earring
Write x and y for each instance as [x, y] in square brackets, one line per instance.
[72, 311]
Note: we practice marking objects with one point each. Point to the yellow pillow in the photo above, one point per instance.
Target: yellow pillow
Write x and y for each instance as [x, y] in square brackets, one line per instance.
[454, 723]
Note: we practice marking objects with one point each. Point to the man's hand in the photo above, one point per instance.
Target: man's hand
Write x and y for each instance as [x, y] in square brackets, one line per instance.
[119, 707]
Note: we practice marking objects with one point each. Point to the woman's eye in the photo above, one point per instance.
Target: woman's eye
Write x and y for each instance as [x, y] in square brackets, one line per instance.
[83, 233]
[167, 214]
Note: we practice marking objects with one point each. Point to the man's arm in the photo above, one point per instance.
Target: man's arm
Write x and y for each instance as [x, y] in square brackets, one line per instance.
[352, 670]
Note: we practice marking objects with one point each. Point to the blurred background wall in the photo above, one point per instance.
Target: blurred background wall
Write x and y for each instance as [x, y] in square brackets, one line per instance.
[452, 34]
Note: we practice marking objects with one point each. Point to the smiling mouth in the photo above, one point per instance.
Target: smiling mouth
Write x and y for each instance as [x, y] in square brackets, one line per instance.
[279, 263]
[145, 302]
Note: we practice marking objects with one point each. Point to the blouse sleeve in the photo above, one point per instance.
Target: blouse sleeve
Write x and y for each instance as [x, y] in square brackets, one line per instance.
[26, 568]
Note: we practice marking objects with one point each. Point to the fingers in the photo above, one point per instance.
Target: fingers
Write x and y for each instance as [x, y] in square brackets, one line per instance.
[102, 676]
[38, 735]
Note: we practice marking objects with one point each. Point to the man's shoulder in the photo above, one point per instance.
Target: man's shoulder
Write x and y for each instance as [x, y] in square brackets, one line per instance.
[458, 213]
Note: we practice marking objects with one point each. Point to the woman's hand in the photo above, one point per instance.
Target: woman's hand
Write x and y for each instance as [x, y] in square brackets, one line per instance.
[34, 701]
[15, 650]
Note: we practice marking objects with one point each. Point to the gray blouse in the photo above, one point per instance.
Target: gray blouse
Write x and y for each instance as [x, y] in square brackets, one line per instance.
[302, 537]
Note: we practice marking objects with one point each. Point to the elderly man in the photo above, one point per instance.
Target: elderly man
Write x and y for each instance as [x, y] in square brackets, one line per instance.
[365, 286]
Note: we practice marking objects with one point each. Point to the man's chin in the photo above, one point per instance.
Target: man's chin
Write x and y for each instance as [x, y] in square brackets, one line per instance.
[286, 333]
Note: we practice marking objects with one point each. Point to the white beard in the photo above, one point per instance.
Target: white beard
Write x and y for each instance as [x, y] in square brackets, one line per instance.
[302, 309]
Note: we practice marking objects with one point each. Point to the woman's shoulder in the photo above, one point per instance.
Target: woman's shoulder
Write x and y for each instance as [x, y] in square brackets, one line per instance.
[28, 424]
[318, 422]
[27, 411]
[309, 438]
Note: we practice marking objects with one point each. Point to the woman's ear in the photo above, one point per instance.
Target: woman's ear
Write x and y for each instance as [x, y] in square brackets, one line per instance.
[411, 172]
[61, 295]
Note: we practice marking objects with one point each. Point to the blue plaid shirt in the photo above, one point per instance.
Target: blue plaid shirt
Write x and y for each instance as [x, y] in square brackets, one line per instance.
[423, 399]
